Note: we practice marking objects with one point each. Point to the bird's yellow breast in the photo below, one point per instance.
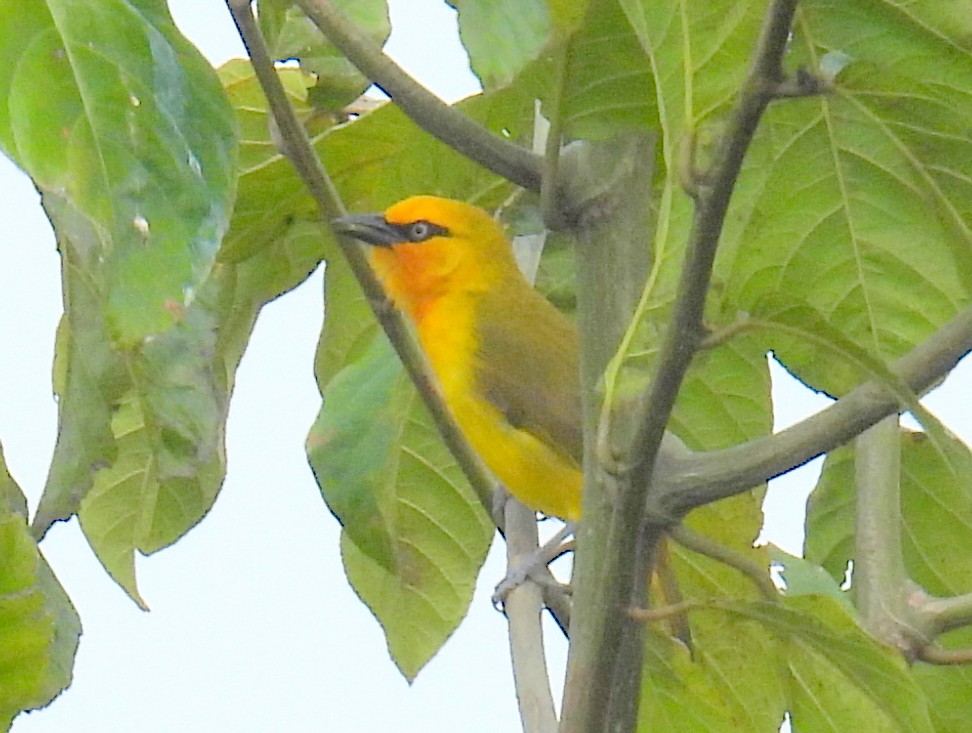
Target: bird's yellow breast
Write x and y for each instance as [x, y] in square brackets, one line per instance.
[538, 474]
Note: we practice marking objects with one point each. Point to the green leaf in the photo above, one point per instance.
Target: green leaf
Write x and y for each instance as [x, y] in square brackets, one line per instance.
[170, 459]
[936, 512]
[840, 678]
[607, 83]
[146, 427]
[12, 499]
[855, 203]
[270, 194]
[414, 534]
[724, 401]
[748, 685]
[502, 36]
[680, 693]
[90, 377]
[804, 578]
[39, 628]
[726, 397]
[291, 34]
[949, 688]
[115, 115]
[829, 538]
[353, 448]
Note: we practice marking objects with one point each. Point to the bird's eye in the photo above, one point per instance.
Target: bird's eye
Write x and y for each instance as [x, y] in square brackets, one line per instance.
[419, 231]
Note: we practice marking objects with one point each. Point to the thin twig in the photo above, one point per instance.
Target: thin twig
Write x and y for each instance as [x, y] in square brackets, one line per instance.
[685, 329]
[726, 555]
[551, 204]
[945, 614]
[448, 124]
[934, 654]
[663, 613]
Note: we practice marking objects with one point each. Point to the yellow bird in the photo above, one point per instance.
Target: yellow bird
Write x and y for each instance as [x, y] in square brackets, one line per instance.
[506, 360]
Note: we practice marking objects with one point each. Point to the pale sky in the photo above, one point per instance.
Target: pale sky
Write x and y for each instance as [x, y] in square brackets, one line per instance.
[253, 626]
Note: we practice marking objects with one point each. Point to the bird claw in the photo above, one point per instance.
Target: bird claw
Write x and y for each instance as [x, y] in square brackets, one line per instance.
[531, 567]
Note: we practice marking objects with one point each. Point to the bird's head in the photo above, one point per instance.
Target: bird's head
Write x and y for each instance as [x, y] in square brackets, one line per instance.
[425, 247]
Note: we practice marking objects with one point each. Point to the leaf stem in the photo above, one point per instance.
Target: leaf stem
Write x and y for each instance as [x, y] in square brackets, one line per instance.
[708, 547]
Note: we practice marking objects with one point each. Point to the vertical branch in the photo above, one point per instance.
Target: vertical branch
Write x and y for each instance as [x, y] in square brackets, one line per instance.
[612, 181]
[881, 584]
[524, 606]
[604, 676]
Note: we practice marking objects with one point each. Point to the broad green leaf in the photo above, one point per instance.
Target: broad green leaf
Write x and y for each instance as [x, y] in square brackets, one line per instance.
[698, 59]
[414, 534]
[91, 376]
[949, 688]
[39, 628]
[168, 427]
[111, 111]
[830, 515]
[726, 397]
[803, 578]
[349, 327]
[270, 195]
[115, 513]
[840, 679]
[291, 34]
[384, 157]
[679, 693]
[725, 401]
[124, 129]
[354, 448]
[607, 80]
[856, 202]
[748, 684]
[12, 499]
[936, 513]
[502, 36]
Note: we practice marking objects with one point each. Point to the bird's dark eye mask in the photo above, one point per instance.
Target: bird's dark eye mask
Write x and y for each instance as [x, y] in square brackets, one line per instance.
[375, 229]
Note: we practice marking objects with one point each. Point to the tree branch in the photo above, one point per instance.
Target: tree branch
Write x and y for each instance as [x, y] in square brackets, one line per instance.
[296, 146]
[936, 655]
[685, 329]
[701, 478]
[523, 607]
[614, 673]
[944, 614]
[881, 583]
[448, 124]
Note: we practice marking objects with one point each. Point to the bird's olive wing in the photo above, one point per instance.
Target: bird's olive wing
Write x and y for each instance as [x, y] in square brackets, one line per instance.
[527, 367]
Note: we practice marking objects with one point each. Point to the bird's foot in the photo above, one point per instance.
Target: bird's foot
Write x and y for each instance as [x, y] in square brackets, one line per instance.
[534, 566]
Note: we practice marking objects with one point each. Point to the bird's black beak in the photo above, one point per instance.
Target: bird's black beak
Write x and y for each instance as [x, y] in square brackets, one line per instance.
[369, 228]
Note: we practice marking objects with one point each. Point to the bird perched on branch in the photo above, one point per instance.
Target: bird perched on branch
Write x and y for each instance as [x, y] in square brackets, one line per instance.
[506, 360]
